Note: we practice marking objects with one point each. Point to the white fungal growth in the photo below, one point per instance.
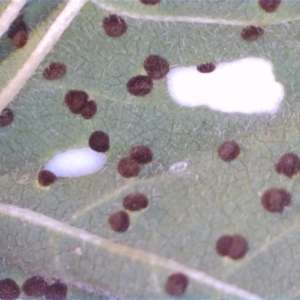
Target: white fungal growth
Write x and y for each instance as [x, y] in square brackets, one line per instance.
[76, 162]
[178, 167]
[246, 86]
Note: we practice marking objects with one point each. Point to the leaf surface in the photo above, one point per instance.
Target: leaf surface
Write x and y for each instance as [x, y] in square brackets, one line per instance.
[189, 209]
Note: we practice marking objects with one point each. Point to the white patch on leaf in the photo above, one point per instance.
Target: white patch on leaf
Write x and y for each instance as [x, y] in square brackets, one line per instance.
[178, 167]
[76, 162]
[242, 86]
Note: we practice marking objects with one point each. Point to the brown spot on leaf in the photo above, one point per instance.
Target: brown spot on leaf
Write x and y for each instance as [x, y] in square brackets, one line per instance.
[274, 200]
[135, 201]
[89, 110]
[76, 100]
[56, 291]
[142, 154]
[288, 164]
[269, 5]
[46, 178]
[156, 66]
[150, 2]
[239, 247]
[35, 286]
[20, 39]
[114, 26]
[17, 25]
[140, 85]
[119, 221]
[229, 151]
[6, 117]
[234, 246]
[251, 33]
[9, 290]
[176, 284]
[128, 167]
[206, 68]
[55, 70]
[99, 141]
[223, 245]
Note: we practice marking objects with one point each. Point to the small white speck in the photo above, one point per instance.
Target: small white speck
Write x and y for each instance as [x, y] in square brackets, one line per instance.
[178, 167]
[23, 179]
[77, 250]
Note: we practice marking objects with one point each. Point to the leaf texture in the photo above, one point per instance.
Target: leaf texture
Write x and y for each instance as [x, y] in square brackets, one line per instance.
[189, 209]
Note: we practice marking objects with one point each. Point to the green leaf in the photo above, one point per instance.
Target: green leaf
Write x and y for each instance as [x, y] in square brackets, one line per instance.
[63, 231]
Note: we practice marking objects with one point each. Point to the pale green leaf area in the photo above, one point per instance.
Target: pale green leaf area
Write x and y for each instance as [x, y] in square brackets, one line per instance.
[36, 10]
[188, 210]
[246, 11]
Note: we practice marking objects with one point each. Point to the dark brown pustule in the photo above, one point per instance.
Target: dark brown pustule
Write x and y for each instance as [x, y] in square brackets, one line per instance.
[229, 151]
[17, 25]
[56, 291]
[135, 202]
[140, 85]
[9, 290]
[156, 66]
[46, 178]
[251, 33]
[6, 117]
[269, 6]
[150, 2]
[35, 287]
[55, 70]
[274, 200]
[234, 246]
[119, 221]
[99, 141]
[206, 68]
[76, 100]
[288, 164]
[114, 26]
[20, 39]
[223, 245]
[142, 154]
[128, 167]
[238, 248]
[176, 284]
[89, 110]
